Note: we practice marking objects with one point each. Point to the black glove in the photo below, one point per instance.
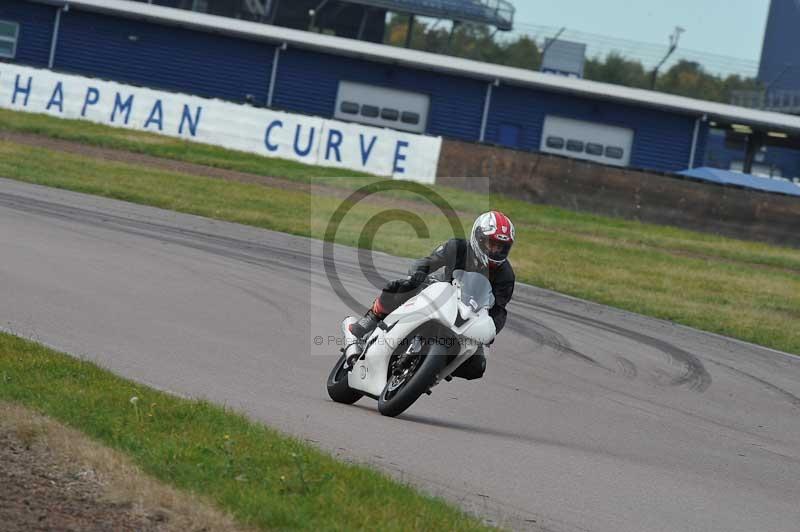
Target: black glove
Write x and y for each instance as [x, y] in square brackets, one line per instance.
[400, 286]
[418, 277]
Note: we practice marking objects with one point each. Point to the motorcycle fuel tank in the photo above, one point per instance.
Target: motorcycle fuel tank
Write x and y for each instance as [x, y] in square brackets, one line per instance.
[436, 302]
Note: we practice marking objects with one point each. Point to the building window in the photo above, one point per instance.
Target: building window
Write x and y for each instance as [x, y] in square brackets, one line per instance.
[557, 143]
[575, 146]
[409, 118]
[9, 34]
[390, 114]
[370, 111]
[350, 108]
[612, 152]
[592, 148]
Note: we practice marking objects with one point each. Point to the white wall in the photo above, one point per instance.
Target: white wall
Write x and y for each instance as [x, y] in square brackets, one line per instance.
[265, 132]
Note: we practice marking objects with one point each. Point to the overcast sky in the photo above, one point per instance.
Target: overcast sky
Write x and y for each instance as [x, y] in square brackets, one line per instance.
[727, 27]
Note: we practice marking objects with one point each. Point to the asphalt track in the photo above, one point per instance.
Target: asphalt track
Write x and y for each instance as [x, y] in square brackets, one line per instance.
[588, 418]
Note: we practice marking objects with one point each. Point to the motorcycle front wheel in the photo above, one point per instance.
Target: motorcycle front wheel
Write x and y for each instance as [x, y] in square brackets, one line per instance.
[415, 377]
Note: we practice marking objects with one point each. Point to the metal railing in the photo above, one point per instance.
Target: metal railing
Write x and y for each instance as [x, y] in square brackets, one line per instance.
[782, 101]
[499, 13]
[256, 7]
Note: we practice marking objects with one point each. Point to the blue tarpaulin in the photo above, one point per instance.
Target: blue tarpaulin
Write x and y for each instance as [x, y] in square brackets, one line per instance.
[727, 177]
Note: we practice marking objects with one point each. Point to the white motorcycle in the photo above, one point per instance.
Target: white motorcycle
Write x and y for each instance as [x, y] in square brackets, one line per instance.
[417, 346]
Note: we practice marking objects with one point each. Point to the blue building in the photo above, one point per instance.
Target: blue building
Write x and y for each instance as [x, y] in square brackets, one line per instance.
[779, 69]
[779, 74]
[780, 57]
[328, 76]
[726, 151]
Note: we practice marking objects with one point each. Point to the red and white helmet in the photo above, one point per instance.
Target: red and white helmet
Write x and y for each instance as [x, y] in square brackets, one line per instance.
[492, 238]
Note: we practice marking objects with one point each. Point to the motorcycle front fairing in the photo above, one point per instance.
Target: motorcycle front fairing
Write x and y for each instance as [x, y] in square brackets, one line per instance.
[479, 328]
[436, 303]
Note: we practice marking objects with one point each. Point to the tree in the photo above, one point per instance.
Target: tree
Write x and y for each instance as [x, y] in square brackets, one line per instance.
[617, 70]
[471, 41]
[478, 42]
[523, 53]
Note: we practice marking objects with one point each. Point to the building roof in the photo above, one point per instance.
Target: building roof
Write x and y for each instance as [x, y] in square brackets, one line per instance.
[737, 179]
[762, 120]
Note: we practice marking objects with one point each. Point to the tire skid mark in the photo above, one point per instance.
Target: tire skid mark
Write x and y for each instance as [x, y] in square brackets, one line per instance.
[245, 251]
[693, 374]
[543, 335]
[627, 368]
[793, 399]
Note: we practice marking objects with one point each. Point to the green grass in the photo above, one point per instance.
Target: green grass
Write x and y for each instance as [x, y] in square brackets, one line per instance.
[743, 289]
[163, 146]
[261, 477]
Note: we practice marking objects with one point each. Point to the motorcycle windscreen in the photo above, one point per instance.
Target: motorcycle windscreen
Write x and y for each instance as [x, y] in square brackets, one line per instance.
[476, 290]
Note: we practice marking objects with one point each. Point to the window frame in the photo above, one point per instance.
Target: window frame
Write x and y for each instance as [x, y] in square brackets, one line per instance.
[348, 108]
[411, 118]
[591, 148]
[367, 111]
[573, 144]
[554, 142]
[388, 112]
[13, 40]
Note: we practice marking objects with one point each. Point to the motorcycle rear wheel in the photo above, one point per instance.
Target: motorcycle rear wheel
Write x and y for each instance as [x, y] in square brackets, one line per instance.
[338, 388]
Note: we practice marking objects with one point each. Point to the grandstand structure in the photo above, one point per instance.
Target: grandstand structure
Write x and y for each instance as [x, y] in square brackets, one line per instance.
[498, 13]
[357, 19]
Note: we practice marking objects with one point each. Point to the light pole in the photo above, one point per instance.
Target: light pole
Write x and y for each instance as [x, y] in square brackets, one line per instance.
[673, 45]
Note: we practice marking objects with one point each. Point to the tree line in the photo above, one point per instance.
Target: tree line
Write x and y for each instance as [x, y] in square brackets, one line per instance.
[477, 41]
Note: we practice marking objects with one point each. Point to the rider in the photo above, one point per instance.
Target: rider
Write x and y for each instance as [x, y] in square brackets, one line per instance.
[486, 252]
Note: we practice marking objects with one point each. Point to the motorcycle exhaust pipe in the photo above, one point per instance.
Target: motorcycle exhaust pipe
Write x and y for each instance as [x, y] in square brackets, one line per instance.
[352, 345]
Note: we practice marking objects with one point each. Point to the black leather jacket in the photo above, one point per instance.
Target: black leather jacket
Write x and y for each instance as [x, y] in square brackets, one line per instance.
[456, 254]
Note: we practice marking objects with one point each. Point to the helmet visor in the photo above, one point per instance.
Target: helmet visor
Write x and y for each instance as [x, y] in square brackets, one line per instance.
[496, 250]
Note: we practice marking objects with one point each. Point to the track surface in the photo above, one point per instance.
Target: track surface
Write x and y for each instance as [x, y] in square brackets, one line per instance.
[588, 418]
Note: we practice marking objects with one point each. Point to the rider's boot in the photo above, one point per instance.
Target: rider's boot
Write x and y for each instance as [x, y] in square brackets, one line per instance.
[367, 324]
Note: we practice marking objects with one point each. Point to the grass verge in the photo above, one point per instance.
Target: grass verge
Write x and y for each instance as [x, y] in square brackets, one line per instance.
[262, 478]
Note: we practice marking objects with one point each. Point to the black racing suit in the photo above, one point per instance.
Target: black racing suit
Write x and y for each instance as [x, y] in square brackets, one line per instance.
[455, 254]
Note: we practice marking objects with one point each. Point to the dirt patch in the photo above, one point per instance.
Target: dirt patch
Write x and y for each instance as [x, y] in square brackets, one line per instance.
[54, 478]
